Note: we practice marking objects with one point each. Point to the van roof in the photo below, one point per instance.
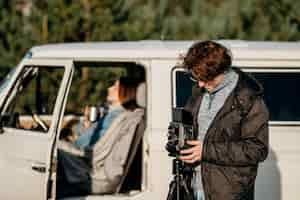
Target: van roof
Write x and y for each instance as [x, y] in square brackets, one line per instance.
[155, 49]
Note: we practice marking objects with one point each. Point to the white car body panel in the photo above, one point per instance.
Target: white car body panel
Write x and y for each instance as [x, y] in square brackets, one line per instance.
[23, 151]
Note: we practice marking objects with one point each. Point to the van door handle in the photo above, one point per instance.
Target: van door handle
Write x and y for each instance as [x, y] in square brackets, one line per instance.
[39, 168]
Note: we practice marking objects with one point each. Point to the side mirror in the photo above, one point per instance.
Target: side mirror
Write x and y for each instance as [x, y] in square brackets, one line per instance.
[8, 120]
[1, 124]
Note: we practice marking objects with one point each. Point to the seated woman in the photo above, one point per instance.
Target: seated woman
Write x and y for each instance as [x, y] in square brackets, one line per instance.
[89, 133]
[98, 169]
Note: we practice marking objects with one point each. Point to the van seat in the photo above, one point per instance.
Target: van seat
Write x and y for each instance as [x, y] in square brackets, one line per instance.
[133, 165]
[132, 177]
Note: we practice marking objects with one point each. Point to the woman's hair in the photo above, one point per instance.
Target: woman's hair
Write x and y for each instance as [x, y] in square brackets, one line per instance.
[127, 92]
[207, 59]
[66, 134]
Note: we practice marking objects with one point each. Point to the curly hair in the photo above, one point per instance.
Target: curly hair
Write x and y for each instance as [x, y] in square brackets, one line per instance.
[206, 60]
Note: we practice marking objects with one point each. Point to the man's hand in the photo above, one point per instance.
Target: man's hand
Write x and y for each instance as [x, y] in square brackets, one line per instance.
[192, 154]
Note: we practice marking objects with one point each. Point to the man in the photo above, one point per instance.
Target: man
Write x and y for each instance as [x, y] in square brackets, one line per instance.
[231, 120]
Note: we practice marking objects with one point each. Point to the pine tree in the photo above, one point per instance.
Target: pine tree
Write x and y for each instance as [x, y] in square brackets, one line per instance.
[14, 38]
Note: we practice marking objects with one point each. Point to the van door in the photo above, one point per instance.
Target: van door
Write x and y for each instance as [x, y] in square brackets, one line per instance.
[30, 119]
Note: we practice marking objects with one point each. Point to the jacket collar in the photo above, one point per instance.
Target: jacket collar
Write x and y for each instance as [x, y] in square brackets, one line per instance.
[242, 96]
[246, 90]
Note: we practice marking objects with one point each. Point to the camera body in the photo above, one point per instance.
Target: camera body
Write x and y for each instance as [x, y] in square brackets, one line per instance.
[179, 131]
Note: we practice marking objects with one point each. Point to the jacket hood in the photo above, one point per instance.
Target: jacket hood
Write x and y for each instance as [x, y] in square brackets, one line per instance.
[248, 82]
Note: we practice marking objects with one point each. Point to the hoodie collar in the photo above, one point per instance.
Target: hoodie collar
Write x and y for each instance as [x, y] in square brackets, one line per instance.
[229, 77]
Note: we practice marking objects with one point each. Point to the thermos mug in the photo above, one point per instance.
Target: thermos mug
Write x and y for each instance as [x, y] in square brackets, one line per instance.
[93, 114]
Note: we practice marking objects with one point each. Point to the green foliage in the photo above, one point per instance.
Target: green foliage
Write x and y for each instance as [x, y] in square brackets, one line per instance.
[93, 20]
[14, 39]
[231, 19]
[89, 86]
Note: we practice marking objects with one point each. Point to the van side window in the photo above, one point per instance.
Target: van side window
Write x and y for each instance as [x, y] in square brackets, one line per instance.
[183, 88]
[32, 99]
[281, 94]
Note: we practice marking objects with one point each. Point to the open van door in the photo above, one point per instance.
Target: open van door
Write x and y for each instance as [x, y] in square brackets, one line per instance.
[31, 113]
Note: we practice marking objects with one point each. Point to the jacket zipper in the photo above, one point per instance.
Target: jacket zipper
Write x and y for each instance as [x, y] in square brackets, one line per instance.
[206, 136]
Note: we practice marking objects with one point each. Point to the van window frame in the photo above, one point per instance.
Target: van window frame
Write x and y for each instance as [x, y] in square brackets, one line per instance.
[144, 185]
[66, 65]
[257, 69]
[173, 84]
[250, 69]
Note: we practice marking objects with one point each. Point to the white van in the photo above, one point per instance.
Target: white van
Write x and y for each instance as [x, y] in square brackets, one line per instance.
[33, 113]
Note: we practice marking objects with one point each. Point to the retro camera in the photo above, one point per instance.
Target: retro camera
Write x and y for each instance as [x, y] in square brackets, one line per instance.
[179, 131]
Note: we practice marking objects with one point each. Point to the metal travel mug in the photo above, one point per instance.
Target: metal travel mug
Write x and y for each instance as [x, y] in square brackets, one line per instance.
[93, 114]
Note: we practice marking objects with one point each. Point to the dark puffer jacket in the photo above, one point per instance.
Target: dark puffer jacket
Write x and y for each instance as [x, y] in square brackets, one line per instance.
[235, 143]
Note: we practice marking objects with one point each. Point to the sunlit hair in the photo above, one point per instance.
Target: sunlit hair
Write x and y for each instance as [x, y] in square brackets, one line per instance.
[206, 60]
[127, 92]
